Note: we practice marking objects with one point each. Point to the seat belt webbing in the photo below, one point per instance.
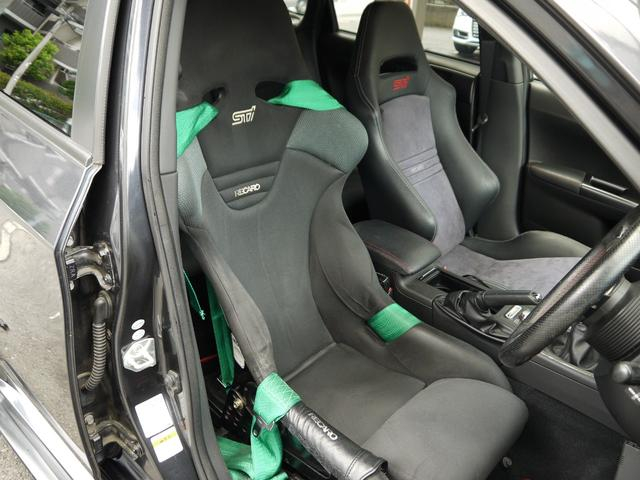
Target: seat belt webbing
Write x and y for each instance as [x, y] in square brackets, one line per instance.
[222, 335]
[392, 322]
[221, 331]
[487, 58]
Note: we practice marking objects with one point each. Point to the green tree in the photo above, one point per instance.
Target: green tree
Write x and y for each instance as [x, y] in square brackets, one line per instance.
[18, 45]
[68, 88]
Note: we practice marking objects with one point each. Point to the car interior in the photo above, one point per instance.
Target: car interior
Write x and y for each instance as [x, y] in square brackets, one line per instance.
[330, 180]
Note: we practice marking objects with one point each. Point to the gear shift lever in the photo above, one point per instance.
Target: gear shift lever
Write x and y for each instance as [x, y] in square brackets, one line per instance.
[476, 308]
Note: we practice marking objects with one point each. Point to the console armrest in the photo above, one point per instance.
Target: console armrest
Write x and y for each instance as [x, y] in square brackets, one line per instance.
[395, 249]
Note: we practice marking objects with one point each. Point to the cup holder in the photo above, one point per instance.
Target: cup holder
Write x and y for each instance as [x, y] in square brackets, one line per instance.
[447, 281]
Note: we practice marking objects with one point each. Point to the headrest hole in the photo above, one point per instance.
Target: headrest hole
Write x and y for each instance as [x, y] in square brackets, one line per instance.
[215, 95]
[269, 89]
[399, 64]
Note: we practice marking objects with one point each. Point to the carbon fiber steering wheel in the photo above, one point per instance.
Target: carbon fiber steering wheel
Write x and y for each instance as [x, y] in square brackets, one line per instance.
[584, 286]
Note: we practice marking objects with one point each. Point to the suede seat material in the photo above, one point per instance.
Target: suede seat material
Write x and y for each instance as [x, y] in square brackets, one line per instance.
[420, 172]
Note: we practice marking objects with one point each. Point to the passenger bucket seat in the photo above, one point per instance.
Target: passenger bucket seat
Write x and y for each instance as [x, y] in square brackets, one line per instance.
[260, 187]
[420, 173]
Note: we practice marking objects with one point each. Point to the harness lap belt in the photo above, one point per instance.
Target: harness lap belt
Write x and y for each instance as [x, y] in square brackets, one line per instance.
[392, 322]
[261, 461]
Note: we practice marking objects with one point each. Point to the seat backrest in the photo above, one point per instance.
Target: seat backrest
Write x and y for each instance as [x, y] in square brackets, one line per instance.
[419, 172]
[251, 183]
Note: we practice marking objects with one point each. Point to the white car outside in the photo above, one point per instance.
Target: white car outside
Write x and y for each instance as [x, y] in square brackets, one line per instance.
[465, 33]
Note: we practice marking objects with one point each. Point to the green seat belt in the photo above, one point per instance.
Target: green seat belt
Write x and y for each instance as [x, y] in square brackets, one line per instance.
[274, 398]
[262, 460]
[190, 122]
[306, 94]
[221, 332]
[392, 322]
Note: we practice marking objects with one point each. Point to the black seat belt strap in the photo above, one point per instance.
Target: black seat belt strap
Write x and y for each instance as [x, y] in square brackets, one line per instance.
[487, 58]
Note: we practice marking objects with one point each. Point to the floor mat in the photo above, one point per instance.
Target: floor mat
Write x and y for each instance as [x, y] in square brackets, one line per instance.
[559, 443]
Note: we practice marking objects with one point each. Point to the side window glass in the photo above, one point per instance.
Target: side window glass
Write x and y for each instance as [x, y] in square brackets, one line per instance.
[296, 8]
[39, 49]
[449, 30]
[348, 13]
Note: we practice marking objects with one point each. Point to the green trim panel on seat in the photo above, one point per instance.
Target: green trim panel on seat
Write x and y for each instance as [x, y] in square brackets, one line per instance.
[392, 322]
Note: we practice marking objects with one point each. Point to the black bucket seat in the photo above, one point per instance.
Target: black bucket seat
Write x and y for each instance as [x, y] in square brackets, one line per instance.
[431, 405]
[420, 172]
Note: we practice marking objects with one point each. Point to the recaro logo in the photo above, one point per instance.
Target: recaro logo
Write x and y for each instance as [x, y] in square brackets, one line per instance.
[323, 426]
[246, 190]
[401, 83]
[243, 116]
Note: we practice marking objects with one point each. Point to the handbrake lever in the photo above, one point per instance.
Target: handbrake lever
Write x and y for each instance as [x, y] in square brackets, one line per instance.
[496, 299]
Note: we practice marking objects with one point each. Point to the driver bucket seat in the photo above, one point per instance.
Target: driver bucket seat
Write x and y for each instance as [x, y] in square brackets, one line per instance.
[420, 173]
[431, 405]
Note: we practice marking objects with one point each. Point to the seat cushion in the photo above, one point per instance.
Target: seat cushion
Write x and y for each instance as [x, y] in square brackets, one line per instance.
[539, 274]
[455, 429]
[531, 244]
[352, 392]
[452, 429]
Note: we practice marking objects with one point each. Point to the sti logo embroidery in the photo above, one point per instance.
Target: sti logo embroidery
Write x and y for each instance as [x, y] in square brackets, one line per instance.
[246, 190]
[243, 116]
[401, 83]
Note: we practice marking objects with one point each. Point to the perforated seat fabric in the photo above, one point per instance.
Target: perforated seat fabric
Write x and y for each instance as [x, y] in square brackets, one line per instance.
[420, 172]
[291, 274]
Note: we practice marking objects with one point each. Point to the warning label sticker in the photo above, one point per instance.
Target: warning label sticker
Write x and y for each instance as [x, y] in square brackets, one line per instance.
[166, 444]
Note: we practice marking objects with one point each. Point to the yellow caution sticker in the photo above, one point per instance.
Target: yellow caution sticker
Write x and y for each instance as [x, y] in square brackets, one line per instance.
[166, 444]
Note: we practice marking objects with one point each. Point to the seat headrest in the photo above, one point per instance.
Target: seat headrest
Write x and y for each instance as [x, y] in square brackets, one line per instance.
[236, 55]
[229, 47]
[390, 60]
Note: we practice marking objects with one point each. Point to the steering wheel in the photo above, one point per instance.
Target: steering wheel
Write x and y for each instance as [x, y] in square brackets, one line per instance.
[584, 286]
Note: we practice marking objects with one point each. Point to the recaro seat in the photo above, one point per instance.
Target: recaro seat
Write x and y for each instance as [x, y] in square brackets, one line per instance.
[420, 172]
[431, 405]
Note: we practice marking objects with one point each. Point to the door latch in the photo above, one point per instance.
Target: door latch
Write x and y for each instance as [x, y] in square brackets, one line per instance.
[96, 260]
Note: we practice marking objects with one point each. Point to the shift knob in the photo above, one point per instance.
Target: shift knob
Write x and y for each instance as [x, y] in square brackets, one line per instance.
[626, 373]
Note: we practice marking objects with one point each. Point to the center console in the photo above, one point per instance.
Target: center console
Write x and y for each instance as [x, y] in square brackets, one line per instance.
[408, 268]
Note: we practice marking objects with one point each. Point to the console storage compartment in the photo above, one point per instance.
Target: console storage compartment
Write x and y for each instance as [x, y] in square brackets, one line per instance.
[394, 250]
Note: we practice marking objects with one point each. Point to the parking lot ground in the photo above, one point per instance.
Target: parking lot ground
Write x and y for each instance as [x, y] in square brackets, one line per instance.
[11, 467]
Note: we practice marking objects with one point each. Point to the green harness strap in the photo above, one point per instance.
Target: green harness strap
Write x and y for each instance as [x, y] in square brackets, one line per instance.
[274, 398]
[306, 94]
[193, 297]
[262, 460]
[392, 322]
[221, 332]
[190, 122]
[222, 336]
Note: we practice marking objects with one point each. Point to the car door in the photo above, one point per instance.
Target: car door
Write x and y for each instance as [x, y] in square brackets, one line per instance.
[51, 147]
[571, 185]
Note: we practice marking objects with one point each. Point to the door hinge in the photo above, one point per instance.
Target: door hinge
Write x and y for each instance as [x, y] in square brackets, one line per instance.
[96, 260]
[109, 431]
